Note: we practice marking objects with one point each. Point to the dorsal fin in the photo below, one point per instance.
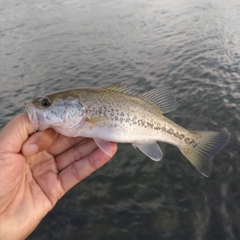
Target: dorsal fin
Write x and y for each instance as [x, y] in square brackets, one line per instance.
[121, 88]
[161, 98]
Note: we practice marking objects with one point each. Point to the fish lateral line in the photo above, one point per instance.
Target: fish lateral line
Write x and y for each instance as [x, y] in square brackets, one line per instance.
[121, 114]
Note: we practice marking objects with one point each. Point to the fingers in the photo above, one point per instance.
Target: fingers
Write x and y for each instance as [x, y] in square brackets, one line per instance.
[39, 142]
[54, 143]
[74, 154]
[63, 143]
[15, 133]
[79, 170]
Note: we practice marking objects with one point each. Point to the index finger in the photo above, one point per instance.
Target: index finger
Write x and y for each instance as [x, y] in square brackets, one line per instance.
[82, 168]
[64, 143]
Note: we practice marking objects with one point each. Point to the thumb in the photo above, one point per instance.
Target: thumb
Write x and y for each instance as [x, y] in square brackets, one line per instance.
[15, 133]
[38, 142]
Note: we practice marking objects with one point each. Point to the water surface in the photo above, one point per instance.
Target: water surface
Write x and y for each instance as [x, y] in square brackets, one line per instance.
[190, 47]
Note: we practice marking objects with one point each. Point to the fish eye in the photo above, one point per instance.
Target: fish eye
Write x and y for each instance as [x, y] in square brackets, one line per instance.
[45, 102]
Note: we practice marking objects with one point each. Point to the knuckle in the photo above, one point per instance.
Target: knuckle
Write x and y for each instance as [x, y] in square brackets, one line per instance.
[93, 163]
[77, 153]
[76, 172]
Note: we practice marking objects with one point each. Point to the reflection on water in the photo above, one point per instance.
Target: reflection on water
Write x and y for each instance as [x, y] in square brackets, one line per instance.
[190, 47]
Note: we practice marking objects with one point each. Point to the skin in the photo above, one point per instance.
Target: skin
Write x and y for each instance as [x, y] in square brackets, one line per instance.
[36, 170]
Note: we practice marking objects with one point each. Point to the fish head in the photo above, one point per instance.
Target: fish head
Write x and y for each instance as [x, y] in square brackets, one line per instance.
[63, 114]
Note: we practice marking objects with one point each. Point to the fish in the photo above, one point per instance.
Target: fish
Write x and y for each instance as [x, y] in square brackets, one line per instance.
[118, 113]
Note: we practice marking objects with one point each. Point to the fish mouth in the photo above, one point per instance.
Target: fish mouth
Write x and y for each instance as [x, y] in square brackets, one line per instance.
[32, 115]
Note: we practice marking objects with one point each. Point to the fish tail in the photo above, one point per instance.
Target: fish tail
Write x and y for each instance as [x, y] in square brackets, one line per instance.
[201, 155]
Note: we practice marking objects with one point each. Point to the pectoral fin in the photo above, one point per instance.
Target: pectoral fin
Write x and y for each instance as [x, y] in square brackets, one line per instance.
[152, 150]
[98, 120]
[104, 146]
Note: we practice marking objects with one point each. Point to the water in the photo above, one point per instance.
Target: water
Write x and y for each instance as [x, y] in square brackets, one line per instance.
[191, 47]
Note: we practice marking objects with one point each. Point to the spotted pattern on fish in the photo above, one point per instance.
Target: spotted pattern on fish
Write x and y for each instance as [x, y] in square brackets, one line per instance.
[118, 114]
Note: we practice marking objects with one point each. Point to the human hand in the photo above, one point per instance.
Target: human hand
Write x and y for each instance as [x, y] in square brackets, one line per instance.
[36, 170]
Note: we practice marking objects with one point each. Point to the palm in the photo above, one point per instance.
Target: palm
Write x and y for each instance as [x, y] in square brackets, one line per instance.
[31, 184]
[26, 190]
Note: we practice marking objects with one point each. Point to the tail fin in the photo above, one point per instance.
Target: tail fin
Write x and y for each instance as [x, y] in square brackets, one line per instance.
[202, 155]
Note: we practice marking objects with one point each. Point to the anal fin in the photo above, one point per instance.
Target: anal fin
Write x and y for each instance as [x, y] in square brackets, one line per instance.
[152, 150]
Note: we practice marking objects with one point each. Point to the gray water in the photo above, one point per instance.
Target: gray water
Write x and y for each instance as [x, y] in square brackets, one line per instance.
[190, 47]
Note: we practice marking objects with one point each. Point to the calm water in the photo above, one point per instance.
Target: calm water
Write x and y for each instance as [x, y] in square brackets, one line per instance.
[191, 47]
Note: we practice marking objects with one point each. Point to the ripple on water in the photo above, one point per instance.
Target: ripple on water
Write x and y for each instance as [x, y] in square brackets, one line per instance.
[193, 49]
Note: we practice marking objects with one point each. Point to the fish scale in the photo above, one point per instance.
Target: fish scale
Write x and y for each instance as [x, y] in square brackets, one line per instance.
[142, 121]
[119, 114]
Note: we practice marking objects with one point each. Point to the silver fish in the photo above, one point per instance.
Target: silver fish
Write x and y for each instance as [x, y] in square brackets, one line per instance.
[119, 114]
